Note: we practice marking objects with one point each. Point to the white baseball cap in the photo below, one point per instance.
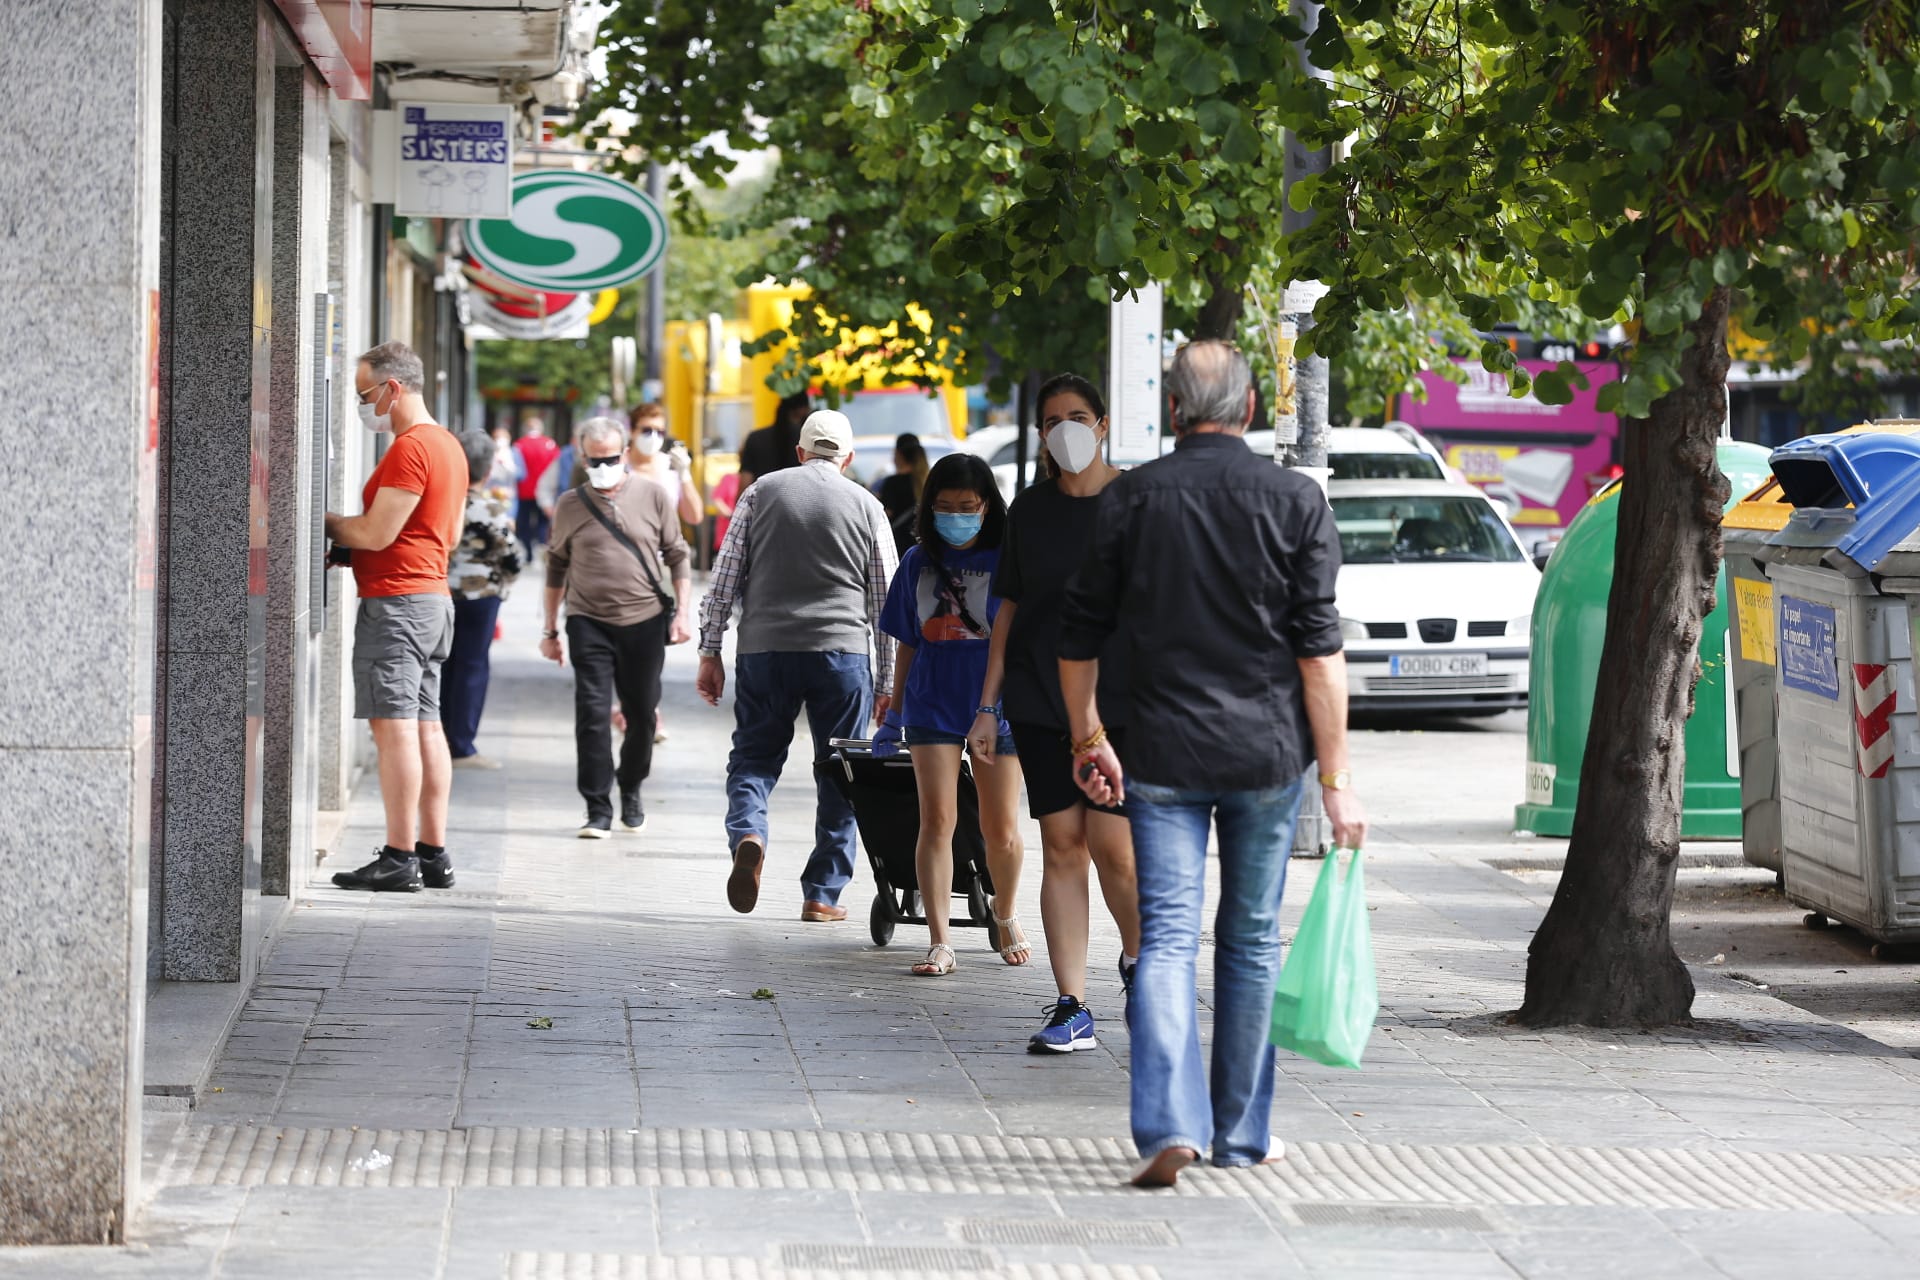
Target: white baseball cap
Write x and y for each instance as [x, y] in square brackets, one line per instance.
[827, 434]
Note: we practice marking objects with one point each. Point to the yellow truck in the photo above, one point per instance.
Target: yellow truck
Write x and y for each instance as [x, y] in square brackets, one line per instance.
[713, 403]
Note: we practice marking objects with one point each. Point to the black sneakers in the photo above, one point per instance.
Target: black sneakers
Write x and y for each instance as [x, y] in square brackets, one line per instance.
[436, 867]
[390, 872]
[633, 815]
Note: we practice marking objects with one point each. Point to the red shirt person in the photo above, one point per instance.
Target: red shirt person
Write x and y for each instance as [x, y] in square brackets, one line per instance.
[414, 504]
[537, 451]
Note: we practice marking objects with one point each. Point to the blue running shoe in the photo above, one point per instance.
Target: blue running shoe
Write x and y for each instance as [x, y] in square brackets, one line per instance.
[1069, 1027]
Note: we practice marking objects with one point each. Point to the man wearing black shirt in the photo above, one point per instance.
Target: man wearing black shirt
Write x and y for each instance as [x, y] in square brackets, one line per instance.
[773, 448]
[1218, 569]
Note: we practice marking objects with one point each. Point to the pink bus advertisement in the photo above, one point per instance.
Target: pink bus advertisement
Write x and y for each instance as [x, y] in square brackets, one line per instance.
[1544, 460]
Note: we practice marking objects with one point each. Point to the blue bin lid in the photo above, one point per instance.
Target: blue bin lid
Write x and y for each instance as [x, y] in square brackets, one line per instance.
[1856, 492]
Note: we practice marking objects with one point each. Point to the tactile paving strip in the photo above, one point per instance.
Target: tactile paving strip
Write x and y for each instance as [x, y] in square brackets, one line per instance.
[1374, 1216]
[1647, 1178]
[615, 1266]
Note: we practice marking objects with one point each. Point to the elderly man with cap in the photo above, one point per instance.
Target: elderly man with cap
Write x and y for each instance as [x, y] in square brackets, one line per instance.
[807, 558]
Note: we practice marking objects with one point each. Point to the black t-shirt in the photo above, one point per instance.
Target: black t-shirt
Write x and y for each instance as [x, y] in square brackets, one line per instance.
[896, 498]
[1048, 533]
[769, 449]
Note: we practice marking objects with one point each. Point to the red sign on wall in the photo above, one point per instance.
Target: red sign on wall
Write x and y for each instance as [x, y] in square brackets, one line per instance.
[338, 36]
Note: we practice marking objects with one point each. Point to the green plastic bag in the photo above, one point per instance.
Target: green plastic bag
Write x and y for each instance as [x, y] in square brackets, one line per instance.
[1327, 996]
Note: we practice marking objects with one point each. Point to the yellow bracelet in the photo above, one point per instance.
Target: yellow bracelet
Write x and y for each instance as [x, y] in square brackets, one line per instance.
[1091, 744]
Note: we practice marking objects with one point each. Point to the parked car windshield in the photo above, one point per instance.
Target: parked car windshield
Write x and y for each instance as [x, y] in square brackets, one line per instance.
[1384, 466]
[1403, 530]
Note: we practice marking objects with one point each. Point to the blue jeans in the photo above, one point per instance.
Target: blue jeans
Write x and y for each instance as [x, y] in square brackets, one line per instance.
[463, 680]
[836, 689]
[1176, 1103]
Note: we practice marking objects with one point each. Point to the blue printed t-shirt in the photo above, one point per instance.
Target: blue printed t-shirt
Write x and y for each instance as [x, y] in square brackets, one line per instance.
[950, 649]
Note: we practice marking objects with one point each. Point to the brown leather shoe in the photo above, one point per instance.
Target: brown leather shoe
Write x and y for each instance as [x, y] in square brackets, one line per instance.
[821, 912]
[743, 886]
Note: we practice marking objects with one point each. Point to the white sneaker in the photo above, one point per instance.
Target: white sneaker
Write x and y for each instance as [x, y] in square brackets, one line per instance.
[591, 832]
[475, 762]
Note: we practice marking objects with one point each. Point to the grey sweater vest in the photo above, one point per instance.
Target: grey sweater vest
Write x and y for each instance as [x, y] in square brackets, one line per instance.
[809, 545]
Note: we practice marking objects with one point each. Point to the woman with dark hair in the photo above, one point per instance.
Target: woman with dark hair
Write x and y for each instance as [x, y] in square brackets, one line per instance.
[1048, 529]
[941, 610]
[900, 492]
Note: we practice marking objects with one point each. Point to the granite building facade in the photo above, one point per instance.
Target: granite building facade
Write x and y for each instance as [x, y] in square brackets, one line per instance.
[194, 258]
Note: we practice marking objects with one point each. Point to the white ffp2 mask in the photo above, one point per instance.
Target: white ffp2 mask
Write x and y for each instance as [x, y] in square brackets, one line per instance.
[1073, 445]
[605, 477]
[375, 421]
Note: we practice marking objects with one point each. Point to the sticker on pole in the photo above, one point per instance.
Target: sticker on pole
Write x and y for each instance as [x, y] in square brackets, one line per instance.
[1808, 657]
[571, 232]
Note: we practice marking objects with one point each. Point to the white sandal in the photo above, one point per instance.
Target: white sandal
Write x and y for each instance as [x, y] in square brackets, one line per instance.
[1007, 948]
[939, 963]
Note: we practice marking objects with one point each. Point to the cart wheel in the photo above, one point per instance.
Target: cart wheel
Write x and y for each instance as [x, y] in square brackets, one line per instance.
[1814, 920]
[1888, 953]
[977, 909]
[993, 937]
[880, 920]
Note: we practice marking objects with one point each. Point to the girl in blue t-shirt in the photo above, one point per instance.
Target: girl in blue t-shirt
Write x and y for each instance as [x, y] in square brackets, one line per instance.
[941, 609]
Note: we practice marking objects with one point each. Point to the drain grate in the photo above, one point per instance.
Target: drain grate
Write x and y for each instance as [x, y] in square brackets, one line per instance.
[1419, 1217]
[1043, 1231]
[884, 1257]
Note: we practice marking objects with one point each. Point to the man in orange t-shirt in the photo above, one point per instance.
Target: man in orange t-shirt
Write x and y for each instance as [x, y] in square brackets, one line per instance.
[414, 505]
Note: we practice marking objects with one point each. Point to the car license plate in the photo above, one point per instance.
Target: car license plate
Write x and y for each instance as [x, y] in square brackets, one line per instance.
[1438, 664]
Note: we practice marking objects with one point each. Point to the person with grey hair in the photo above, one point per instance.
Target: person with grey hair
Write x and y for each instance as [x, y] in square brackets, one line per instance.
[400, 546]
[1217, 569]
[808, 557]
[485, 563]
[604, 557]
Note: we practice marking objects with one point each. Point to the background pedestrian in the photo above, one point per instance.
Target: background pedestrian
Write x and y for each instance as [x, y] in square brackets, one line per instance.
[610, 537]
[941, 610]
[1049, 527]
[808, 559]
[486, 560]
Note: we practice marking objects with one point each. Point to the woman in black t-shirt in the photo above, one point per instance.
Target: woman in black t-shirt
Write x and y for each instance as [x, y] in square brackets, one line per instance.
[1048, 528]
[899, 493]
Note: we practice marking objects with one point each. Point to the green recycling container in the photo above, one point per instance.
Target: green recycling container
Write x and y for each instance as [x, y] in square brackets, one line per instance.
[1569, 625]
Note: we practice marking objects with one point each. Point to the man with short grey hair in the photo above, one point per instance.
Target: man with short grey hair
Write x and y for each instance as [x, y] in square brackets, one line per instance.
[604, 557]
[809, 556]
[1218, 568]
[400, 547]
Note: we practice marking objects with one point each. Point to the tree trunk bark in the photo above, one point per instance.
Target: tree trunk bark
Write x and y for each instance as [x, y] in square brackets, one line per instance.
[1220, 315]
[1604, 954]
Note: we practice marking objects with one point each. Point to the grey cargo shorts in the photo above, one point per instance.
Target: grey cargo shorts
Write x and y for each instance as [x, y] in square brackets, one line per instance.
[399, 644]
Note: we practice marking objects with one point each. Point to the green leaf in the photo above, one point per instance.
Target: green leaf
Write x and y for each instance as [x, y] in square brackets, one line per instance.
[1083, 96]
[1242, 146]
[1851, 221]
[1550, 386]
[1215, 117]
[1154, 137]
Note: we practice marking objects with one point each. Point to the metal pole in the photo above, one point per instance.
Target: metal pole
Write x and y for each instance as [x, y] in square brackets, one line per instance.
[656, 335]
[1310, 375]
[1311, 833]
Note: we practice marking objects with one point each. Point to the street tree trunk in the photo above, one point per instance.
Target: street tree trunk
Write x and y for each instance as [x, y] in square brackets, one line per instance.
[1604, 954]
[1220, 315]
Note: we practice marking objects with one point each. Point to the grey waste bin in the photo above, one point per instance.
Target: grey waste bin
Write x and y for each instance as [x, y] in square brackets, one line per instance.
[1843, 681]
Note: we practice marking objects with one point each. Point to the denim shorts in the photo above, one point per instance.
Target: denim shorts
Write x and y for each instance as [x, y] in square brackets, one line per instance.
[917, 737]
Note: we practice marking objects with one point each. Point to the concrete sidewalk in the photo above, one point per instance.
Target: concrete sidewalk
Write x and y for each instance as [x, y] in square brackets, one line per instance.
[741, 1097]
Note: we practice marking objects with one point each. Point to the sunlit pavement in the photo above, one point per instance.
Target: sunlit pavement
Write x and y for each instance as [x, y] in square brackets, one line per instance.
[726, 1096]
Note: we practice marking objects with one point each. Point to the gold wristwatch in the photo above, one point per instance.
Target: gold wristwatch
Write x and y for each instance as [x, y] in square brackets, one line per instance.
[1339, 780]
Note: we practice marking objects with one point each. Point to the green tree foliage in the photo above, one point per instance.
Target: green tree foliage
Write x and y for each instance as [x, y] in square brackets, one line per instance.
[1655, 163]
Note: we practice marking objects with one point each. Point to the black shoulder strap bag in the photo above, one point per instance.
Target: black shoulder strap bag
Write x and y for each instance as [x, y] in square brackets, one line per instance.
[646, 561]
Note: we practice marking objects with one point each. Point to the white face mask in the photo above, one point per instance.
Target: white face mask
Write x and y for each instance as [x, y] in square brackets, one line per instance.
[648, 443]
[606, 477]
[375, 421]
[1073, 445]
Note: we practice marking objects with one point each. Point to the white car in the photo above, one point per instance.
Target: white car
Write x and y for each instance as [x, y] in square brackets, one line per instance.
[1435, 597]
[1373, 453]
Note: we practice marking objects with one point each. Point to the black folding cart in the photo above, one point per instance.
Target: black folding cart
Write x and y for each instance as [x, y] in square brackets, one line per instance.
[887, 807]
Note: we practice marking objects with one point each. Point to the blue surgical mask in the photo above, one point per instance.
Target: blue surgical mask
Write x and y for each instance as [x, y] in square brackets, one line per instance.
[957, 528]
